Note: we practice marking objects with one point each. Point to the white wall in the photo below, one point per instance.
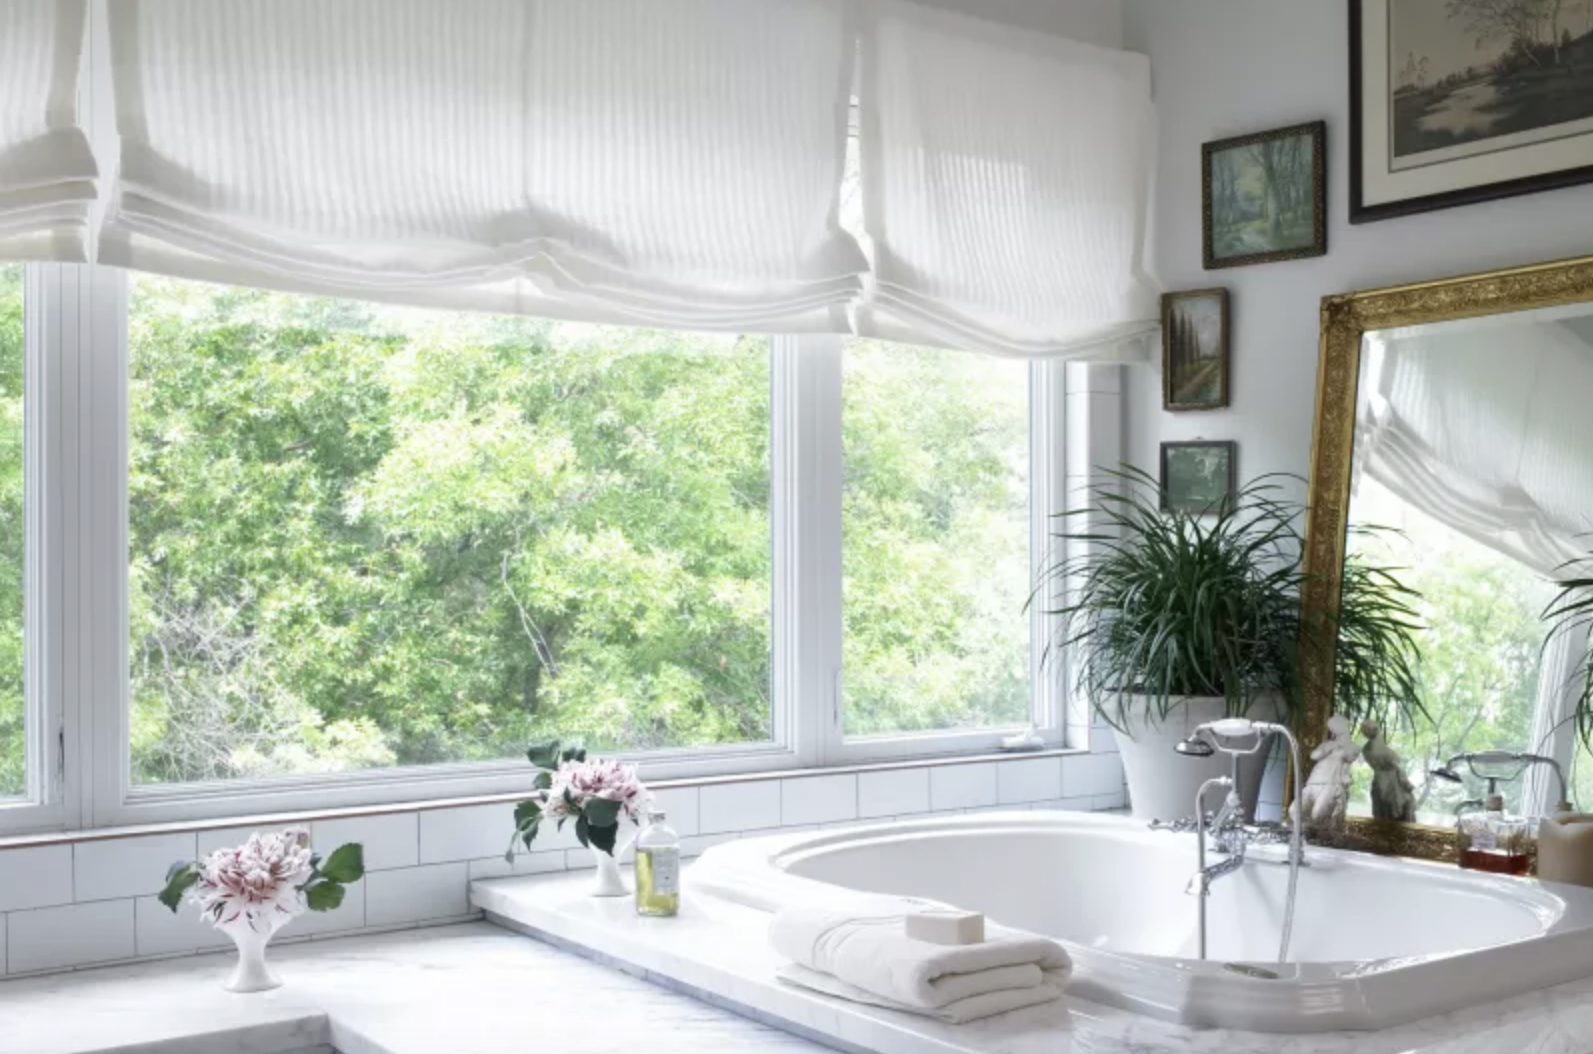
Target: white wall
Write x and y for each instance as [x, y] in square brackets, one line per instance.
[1228, 67]
[1091, 21]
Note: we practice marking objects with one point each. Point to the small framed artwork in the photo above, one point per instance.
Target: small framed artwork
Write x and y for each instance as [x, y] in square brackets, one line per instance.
[1195, 350]
[1465, 101]
[1199, 476]
[1264, 196]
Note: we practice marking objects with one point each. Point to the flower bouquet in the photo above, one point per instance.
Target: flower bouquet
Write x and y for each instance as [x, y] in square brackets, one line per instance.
[251, 891]
[596, 794]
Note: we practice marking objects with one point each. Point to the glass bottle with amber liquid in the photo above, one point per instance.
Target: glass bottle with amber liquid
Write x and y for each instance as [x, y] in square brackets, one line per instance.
[1495, 842]
[657, 868]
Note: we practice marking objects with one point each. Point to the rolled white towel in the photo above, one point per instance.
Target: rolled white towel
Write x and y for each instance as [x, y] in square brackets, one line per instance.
[865, 948]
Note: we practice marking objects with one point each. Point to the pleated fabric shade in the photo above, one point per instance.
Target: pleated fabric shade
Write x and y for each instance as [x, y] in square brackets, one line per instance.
[47, 171]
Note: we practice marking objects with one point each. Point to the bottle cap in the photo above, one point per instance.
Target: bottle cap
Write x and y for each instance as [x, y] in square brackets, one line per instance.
[1496, 803]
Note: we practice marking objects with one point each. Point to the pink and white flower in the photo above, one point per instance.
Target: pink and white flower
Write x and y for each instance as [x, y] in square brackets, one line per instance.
[257, 880]
[577, 782]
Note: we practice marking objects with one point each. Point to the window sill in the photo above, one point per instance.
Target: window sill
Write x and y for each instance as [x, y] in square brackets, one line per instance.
[429, 804]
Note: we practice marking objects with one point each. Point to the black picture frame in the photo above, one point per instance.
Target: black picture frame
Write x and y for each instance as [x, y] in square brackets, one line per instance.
[1360, 212]
[1230, 450]
[1317, 130]
[1170, 358]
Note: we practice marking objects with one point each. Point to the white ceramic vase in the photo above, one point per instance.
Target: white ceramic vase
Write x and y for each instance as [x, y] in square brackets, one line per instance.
[607, 882]
[251, 937]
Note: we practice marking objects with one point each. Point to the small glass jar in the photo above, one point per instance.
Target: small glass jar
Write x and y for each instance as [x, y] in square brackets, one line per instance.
[657, 868]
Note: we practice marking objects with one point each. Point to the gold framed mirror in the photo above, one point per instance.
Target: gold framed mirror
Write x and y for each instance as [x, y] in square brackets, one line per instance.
[1452, 326]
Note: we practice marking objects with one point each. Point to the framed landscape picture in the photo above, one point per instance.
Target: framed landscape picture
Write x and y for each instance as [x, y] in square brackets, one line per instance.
[1195, 350]
[1198, 476]
[1453, 102]
[1264, 196]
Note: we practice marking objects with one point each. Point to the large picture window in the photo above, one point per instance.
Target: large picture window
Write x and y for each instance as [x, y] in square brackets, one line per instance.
[363, 537]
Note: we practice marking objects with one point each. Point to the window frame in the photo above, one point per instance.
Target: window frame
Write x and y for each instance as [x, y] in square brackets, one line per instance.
[79, 684]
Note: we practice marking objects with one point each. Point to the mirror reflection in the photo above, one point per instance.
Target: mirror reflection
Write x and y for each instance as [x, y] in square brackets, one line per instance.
[1473, 476]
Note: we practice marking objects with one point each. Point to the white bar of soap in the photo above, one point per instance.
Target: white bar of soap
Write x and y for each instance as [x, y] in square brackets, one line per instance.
[947, 927]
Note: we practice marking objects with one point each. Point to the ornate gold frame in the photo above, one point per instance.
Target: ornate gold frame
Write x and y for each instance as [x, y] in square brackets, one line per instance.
[1345, 320]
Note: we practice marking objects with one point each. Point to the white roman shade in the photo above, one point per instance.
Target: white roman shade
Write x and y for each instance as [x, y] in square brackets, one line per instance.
[47, 171]
[661, 162]
[1005, 178]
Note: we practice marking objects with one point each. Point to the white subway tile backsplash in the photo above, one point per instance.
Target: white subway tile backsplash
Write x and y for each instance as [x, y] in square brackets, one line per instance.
[739, 806]
[350, 915]
[74, 935]
[127, 867]
[38, 877]
[963, 786]
[681, 804]
[471, 833]
[2, 945]
[524, 864]
[1029, 780]
[390, 839]
[818, 799]
[1091, 774]
[417, 894]
[893, 792]
[156, 931]
[208, 842]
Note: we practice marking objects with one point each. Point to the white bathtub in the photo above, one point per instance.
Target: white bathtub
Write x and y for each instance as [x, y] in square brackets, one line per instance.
[1376, 942]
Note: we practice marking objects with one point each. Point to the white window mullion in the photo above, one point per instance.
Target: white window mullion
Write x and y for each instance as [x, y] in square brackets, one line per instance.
[1048, 673]
[808, 553]
[102, 551]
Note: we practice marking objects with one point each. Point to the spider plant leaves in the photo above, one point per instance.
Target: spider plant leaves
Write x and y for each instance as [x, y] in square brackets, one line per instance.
[1162, 605]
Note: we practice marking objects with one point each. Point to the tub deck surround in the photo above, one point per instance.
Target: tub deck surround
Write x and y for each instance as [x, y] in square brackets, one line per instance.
[466, 989]
[719, 946]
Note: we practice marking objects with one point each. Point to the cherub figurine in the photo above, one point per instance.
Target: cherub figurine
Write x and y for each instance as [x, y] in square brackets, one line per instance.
[1326, 795]
[1393, 797]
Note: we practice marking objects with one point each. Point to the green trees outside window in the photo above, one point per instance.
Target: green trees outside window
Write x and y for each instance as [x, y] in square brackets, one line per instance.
[935, 540]
[13, 530]
[365, 536]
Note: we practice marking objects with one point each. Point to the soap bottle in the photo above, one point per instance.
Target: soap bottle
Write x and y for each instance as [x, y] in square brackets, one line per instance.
[1495, 842]
[657, 868]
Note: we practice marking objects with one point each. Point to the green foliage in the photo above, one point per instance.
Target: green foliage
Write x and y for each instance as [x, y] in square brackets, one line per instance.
[365, 537]
[1170, 604]
[180, 878]
[935, 521]
[1479, 668]
[325, 888]
[12, 532]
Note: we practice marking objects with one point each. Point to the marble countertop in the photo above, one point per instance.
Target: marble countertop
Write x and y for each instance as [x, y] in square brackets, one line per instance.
[469, 989]
[719, 947]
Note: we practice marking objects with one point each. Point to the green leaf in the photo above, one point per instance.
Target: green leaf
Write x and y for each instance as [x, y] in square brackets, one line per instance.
[180, 878]
[526, 811]
[583, 831]
[543, 780]
[603, 838]
[600, 812]
[324, 896]
[346, 864]
[575, 753]
[544, 755]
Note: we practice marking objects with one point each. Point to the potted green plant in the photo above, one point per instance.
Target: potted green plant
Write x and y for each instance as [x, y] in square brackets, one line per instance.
[1571, 613]
[1172, 619]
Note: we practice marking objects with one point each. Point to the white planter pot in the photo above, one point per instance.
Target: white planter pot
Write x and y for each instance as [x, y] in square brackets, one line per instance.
[1161, 782]
[606, 882]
